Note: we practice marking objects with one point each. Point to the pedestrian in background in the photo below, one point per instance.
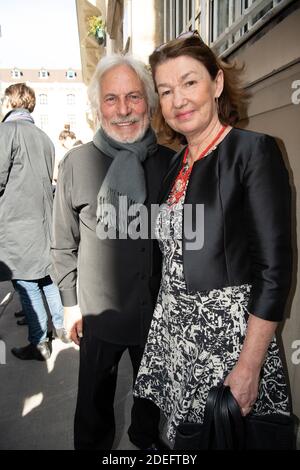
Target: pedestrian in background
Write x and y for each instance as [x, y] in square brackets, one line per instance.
[26, 199]
[67, 140]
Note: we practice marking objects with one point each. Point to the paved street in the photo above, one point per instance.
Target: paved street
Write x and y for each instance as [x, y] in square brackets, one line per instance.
[37, 399]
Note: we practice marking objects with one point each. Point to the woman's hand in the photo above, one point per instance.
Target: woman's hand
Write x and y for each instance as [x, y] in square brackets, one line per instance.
[243, 382]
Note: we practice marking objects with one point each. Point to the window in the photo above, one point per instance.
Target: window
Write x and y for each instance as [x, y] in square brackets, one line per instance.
[180, 16]
[43, 73]
[223, 24]
[232, 20]
[43, 98]
[70, 98]
[71, 74]
[71, 119]
[16, 73]
[44, 121]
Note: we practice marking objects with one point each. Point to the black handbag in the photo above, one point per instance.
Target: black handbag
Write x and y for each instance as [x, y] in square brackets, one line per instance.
[224, 427]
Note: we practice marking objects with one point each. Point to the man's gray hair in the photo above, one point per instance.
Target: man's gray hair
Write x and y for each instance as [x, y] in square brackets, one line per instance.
[108, 62]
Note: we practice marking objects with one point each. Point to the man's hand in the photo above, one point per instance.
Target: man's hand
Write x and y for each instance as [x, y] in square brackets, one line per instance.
[73, 323]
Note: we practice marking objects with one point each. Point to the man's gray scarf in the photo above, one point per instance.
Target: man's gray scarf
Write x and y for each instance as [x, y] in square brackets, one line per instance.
[18, 113]
[125, 178]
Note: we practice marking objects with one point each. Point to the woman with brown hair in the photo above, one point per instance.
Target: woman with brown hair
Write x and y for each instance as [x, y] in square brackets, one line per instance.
[224, 230]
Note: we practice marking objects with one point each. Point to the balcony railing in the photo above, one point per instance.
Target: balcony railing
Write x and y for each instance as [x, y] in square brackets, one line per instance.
[232, 22]
[179, 16]
[223, 24]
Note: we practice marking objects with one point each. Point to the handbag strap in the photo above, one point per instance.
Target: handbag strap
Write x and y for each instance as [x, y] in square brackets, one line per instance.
[236, 419]
[228, 421]
[209, 413]
[223, 428]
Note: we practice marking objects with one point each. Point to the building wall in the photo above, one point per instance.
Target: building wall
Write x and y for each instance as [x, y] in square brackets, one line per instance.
[272, 69]
[90, 51]
[56, 87]
[142, 32]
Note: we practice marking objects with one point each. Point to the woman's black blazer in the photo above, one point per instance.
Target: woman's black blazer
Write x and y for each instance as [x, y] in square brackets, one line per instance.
[244, 188]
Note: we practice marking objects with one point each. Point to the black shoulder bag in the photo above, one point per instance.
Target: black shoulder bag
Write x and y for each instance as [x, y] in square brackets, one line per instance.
[224, 427]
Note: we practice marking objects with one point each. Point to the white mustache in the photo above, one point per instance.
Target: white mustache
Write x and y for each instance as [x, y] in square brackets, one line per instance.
[125, 121]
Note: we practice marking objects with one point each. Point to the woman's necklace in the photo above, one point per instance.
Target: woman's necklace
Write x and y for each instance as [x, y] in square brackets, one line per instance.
[181, 181]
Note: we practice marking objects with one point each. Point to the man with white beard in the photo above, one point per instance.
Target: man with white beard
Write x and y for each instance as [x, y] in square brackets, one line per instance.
[116, 277]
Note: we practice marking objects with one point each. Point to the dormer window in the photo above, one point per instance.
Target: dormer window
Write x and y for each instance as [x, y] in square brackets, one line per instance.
[71, 74]
[43, 73]
[16, 73]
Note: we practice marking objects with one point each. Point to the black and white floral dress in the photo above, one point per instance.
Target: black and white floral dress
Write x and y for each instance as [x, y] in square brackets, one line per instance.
[195, 339]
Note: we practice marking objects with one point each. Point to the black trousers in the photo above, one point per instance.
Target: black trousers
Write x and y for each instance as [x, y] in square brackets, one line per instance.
[94, 426]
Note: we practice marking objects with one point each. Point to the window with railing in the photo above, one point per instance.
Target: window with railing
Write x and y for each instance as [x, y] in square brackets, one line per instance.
[233, 21]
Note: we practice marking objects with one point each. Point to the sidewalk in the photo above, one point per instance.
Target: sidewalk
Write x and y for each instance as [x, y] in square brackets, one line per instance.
[37, 399]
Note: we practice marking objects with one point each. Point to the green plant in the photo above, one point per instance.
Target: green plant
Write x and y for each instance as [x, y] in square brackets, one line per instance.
[95, 25]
